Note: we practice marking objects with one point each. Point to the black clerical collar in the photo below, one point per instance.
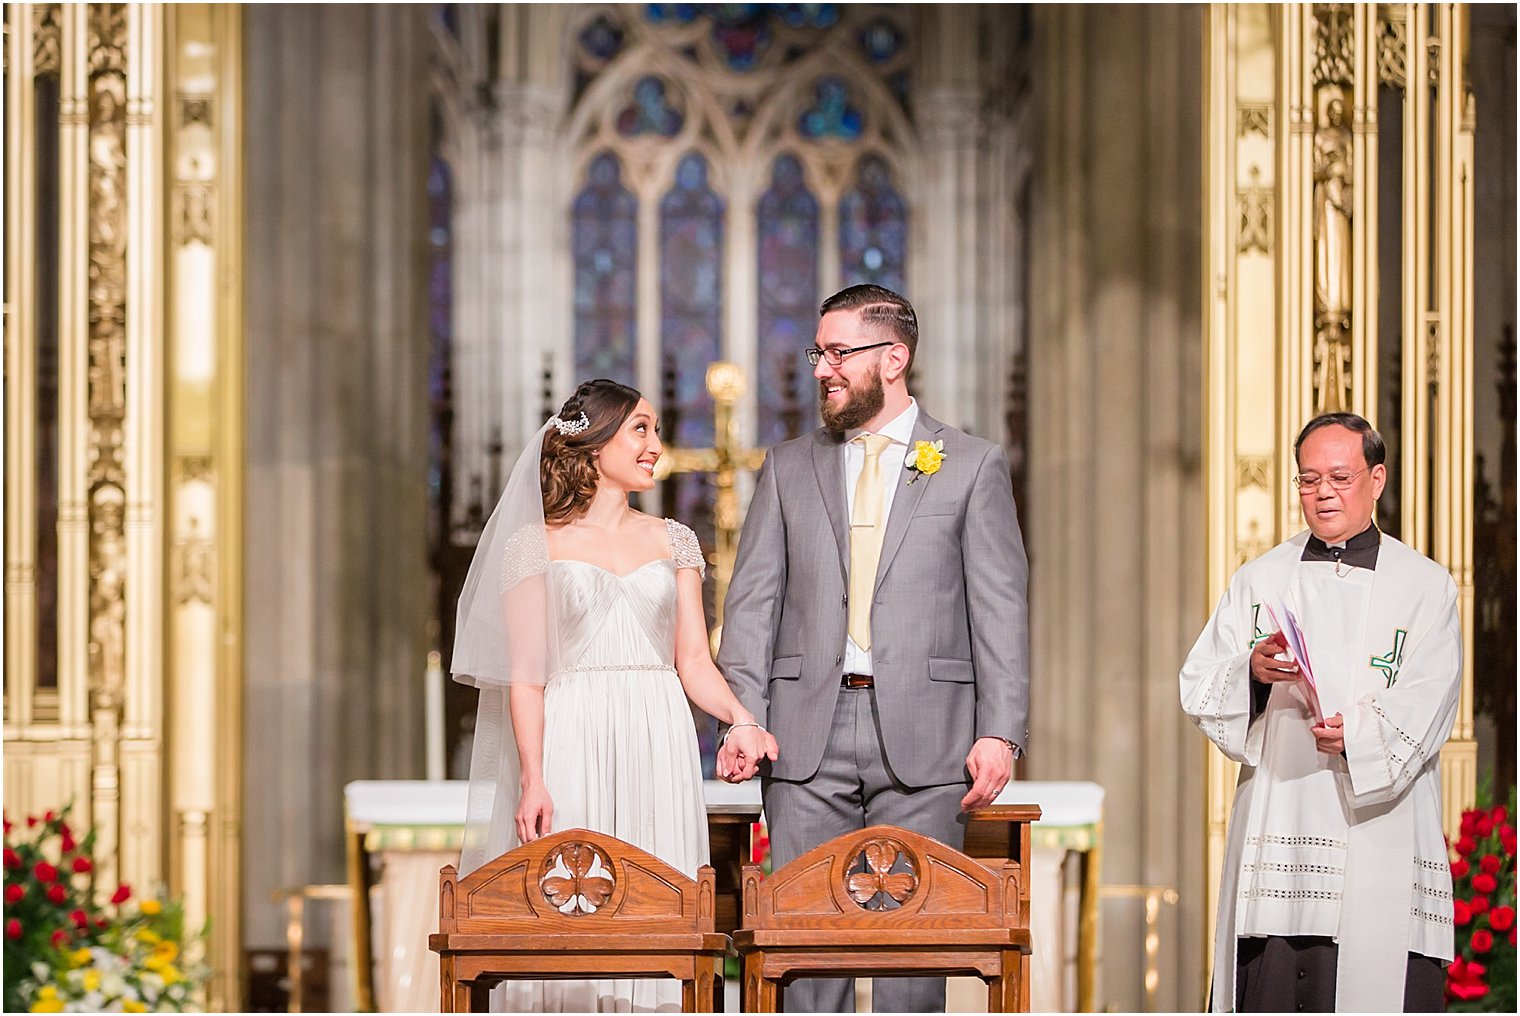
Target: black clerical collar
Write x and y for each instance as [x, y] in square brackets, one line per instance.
[1361, 551]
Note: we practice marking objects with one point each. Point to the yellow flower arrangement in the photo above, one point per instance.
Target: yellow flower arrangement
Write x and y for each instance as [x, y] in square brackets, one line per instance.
[926, 459]
[70, 946]
[47, 1000]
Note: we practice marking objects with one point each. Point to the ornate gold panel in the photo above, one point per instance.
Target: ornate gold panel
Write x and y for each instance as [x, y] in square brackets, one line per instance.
[1292, 326]
[148, 450]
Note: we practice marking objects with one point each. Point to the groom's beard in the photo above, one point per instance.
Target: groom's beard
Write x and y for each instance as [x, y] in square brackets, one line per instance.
[861, 402]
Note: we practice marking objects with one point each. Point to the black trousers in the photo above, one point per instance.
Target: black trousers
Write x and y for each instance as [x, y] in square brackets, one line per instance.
[1297, 974]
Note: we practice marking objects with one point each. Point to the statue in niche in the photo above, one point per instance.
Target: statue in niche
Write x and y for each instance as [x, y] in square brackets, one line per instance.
[1332, 258]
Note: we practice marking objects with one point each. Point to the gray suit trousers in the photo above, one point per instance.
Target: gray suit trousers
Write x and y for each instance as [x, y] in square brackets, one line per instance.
[855, 788]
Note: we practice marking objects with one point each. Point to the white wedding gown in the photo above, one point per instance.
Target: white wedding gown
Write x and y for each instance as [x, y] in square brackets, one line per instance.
[620, 746]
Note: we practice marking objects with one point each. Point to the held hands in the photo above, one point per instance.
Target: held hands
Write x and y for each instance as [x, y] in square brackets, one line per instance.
[1266, 667]
[535, 812]
[1330, 736]
[740, 754]
[991, 766]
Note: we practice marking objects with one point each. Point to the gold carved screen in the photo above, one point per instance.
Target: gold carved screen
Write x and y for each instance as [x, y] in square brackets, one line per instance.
[1339, 146]
[123, 372]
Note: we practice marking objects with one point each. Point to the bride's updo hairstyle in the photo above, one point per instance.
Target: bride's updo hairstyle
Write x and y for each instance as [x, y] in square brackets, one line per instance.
[567, 467]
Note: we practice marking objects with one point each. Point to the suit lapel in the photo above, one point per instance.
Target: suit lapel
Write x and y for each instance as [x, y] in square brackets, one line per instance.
[905, 502]
[828, 468]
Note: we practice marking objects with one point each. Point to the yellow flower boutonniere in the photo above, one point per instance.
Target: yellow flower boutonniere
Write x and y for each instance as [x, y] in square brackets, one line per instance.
[926, 459]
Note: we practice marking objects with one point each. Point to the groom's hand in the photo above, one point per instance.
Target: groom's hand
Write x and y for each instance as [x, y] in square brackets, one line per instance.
[990, 764]
[739, 758]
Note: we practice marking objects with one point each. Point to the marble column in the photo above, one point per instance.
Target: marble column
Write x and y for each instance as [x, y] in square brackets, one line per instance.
[1116, 584]
[337, 591]
[942, 276]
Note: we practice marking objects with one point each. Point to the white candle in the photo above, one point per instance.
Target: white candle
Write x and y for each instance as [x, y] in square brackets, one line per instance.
[433, 716]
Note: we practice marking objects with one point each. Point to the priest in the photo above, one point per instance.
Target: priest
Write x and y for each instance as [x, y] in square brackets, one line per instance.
[1331, 671]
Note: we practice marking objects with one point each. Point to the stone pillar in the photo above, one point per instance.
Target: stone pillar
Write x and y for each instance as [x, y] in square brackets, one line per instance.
[943, 273]
[1116, 568]
[337, 587]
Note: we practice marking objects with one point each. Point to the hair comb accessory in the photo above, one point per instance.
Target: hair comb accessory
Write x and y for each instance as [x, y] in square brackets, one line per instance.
[570, 428]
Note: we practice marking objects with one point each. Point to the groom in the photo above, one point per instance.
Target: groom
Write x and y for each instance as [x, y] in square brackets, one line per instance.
[876, 622]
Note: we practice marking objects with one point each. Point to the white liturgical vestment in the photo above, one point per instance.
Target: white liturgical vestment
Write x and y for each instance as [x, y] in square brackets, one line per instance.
[1348, 846]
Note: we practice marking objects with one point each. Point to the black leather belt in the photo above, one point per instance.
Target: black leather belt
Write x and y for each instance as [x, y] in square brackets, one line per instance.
[857, 681]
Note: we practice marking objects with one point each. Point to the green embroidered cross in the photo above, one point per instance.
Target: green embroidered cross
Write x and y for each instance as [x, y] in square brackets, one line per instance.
[1257, 635]
[1391, 663]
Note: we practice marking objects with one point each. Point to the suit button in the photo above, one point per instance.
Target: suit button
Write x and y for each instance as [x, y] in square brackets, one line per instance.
[839, 658]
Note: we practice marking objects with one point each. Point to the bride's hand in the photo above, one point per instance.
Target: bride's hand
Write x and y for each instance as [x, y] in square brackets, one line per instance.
[740, 757]
[534, 813]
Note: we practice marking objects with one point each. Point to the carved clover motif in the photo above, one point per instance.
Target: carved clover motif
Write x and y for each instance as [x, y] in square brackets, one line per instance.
[881, 855]
[577, 880]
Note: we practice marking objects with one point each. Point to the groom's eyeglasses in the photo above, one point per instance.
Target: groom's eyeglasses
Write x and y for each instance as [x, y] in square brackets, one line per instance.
[836, 354]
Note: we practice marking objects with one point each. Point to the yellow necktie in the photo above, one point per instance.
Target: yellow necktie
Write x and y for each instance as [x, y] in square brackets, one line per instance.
[866, 530]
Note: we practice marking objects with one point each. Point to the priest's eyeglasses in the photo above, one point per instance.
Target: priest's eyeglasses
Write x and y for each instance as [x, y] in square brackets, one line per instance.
[1308, 482]
[836, 354]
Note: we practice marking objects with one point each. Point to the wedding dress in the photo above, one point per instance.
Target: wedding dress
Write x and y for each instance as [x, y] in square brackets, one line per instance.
[620, 746]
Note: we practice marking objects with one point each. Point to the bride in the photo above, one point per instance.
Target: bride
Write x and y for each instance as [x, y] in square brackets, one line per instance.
[581, 623]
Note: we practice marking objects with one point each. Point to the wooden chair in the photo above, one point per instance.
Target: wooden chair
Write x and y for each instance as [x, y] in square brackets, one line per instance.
[575, 904]
[823, 915]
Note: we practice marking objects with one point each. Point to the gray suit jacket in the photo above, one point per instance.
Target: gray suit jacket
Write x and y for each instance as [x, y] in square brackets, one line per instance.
[950, 625]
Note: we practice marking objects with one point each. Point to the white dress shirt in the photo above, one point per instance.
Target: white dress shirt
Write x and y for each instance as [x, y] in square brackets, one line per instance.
[900, 430]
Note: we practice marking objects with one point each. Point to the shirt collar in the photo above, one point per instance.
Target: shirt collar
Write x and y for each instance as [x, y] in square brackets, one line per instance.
[899, 429]
[1361, 551]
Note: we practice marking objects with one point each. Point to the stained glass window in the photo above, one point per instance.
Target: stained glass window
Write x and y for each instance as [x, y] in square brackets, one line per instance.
[602, 39]
[873, 228]
[880, 41]
[604, 246]
[743, 33]
[832, 114]
[787, 265]
[649, 112]
[691, 322]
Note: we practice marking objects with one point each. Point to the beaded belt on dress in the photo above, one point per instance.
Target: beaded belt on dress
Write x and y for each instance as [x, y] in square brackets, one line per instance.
[597, 668]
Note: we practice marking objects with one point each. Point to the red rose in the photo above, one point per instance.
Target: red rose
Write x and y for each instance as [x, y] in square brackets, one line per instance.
[122, 894]
[1467, 972]
[1479, 904]
[101, 922]
[45, 872]
[17, 893]
[12, 859]
[1490, 864]
[82, 866]
[1512, 936]
[1468, 992]
[57, 893]
[1469, 823]
[1482, 940]
[1500, 813]
[13, 928]
[49, 817]
[1461, 913]
[1465, 846]
[31, 820]
[68, 843]
[1501, 918]
[59, 937]
[1459, 869]
[65, 831]
[1485, 883]
[1485, 826]
[81, 919]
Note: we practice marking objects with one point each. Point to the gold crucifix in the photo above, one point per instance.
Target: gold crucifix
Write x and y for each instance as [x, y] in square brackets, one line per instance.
[726, 384]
